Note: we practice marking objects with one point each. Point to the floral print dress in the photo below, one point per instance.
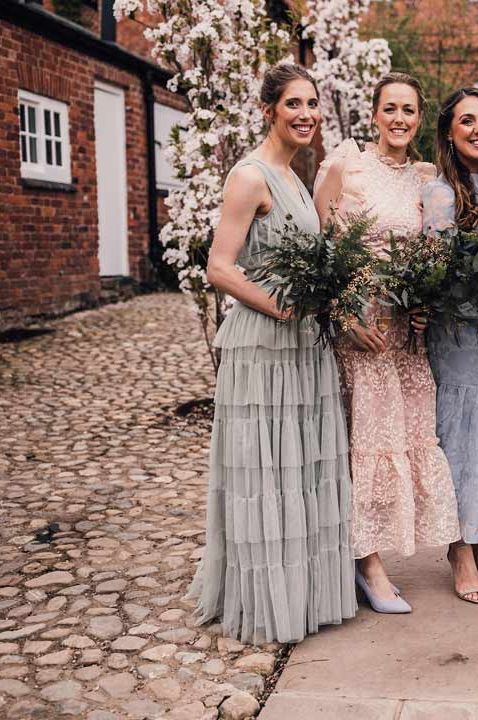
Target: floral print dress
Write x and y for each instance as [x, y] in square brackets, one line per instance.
[402, 487]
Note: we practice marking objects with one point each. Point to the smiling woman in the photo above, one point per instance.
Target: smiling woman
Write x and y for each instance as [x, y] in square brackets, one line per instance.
[297, 99]
[463, 130]
[278, 560]
[398, 109]
[403, 492]
[452, 200]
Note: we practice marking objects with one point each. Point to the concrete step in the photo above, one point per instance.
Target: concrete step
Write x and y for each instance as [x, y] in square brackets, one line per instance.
[421, 666]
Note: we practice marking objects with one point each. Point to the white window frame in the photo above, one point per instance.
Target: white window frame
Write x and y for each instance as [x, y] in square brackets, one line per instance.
[165, 118]
[41, 169]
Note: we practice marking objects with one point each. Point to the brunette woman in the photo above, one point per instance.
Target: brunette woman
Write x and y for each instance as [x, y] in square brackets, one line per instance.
[450, 201]
[278, 561]
[402, 487]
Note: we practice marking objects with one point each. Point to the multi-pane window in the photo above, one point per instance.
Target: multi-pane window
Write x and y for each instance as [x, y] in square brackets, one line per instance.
[28, 133]
[44, 141]
[165, 118]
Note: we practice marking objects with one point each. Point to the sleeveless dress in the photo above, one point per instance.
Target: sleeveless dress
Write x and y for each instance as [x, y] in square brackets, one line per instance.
[455, 367]
[278, 560]
[402, 487]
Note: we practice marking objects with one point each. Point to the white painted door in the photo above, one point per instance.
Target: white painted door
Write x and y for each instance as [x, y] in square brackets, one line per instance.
[111, 179]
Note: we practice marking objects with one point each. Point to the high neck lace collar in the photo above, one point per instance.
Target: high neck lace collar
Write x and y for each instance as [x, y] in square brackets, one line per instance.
[385, 159]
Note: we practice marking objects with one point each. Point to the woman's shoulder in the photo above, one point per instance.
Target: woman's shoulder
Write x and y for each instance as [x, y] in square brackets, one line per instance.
[339, 160]
[247, 172]
[438, 200]
[438, 190]
[426, 171]
[348, 151]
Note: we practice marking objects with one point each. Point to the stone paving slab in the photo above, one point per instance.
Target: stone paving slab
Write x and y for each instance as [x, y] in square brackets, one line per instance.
[102, 519]
[439, 711]
[427, 661]
[286, 706]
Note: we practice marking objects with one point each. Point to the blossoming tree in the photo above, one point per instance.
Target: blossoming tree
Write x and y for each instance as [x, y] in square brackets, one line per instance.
[219, 52]
[346, 67]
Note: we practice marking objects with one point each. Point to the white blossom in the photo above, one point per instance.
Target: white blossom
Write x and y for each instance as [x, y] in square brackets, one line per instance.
[124, 8]
[218, 52]
[346, 68]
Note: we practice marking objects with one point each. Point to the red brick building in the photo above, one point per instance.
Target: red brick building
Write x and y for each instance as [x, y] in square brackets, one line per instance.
[435, 39]
[82, 171]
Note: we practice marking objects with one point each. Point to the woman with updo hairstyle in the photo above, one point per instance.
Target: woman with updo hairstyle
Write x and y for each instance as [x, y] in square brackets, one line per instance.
[402, 488]
[278, 561]
[452, 201]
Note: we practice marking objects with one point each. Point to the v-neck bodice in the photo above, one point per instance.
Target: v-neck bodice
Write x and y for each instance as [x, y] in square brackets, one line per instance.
[300, 193]
[265, 232]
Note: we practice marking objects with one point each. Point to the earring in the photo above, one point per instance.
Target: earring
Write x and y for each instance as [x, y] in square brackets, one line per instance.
[451, 146]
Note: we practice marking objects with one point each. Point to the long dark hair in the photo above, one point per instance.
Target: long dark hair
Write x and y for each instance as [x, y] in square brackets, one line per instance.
[457, 174]
[403, 79]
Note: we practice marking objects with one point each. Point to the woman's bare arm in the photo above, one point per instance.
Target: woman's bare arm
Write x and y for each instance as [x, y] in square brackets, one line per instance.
[245, 195]
[327, 190]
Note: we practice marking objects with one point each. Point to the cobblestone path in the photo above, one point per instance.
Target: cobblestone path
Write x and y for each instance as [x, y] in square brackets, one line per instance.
[102, 499]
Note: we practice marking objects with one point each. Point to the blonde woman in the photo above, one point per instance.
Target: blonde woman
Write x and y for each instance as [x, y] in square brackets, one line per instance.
[402, 487]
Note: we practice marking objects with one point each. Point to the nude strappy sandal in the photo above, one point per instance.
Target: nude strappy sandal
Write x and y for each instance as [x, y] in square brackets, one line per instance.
[470, 591]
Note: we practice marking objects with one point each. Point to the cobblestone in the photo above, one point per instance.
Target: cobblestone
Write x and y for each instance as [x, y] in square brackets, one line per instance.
[102, 520]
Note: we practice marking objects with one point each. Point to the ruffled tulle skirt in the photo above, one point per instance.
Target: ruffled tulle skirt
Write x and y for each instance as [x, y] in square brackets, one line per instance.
[278, 561]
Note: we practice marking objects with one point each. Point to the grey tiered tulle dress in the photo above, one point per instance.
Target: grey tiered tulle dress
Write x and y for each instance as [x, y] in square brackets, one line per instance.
[278, 560]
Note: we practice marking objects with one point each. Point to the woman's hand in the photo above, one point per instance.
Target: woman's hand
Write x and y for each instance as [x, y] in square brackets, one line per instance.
[419, 320]
[283, 316]
[369, 339]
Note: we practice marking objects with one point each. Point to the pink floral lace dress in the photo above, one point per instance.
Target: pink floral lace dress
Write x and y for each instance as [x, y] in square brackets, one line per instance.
[402, 486]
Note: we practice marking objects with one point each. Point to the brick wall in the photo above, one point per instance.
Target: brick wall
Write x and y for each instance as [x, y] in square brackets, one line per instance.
[49, 238]
[130, 34]
[90, 16]
[90, 19]
[446, 45]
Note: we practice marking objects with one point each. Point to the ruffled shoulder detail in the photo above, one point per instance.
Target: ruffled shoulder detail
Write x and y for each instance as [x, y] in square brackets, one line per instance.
[338, 178]
[438, 200]
[336, 160]
[347, 149]
[426, 171]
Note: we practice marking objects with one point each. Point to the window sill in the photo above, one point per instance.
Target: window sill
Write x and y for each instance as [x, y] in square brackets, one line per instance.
[36, 184]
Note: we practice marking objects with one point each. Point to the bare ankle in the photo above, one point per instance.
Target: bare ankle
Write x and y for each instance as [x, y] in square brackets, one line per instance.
[371, 564]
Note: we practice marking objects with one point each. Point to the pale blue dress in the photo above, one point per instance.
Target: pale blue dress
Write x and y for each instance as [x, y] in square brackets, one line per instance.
[455, 367]
[279, 561]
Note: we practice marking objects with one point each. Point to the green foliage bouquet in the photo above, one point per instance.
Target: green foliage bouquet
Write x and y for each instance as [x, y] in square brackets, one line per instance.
[437, 273]
[329, 274]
